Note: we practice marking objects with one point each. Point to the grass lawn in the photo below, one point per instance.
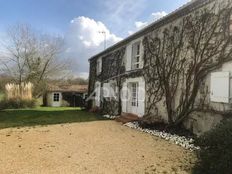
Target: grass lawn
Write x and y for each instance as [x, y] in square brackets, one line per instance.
[44, 116]
[1, 95]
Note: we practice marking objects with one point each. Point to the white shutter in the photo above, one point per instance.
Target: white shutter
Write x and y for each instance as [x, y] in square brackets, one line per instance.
[219, 87]
[124, 97]
[97, 93]
[141, 98]
[128, 57]
[106, 87]
[141, 55]
[100, 68]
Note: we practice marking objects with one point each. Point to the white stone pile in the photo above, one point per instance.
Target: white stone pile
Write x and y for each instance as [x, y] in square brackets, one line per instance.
[110, 116]
[182, 141]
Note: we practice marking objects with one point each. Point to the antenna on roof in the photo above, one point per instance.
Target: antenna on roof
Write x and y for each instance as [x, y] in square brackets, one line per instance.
[103, 32]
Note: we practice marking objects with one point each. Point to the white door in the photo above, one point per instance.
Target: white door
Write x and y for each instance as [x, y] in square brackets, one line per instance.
[133, 102]
[56, 99]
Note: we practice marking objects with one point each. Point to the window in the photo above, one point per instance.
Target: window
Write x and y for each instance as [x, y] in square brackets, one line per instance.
[109, 90]
[114, 88]
[136, 55]
[56, 97]
[99, 66]
[134, 94]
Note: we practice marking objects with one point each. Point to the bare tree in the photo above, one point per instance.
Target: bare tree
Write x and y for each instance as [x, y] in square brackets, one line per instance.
[30, 56]
[178, 60]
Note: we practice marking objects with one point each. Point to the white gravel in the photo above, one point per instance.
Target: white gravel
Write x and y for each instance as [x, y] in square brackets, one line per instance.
[182, 141]
[187, 143]
[110, 116]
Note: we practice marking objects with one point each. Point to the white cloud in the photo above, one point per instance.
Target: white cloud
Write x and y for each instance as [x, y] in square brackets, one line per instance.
[130, 32]
[140, 24]
[123, 13]
[83, 40]
[88, 31]
[158, 15]
[153, 17]
[121, 8]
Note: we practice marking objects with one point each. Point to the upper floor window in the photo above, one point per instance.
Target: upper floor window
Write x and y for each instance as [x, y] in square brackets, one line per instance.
[136, 55]
[99, 66]
[110, 90]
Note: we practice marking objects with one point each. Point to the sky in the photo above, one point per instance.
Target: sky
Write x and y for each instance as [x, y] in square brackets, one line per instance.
[80, 21]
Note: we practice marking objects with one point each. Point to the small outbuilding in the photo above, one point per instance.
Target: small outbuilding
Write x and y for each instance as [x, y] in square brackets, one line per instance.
[65, 95]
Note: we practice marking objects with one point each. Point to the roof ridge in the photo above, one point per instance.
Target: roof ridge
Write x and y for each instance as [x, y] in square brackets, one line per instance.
[153, 24]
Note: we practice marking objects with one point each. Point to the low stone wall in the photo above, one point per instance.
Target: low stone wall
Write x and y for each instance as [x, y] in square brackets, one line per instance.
[201, 122]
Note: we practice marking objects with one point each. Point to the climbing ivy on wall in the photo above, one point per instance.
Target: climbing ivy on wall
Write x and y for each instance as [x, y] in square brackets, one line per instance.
[178, 58]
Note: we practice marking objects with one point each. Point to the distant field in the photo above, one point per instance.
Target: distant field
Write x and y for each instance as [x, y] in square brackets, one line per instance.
[44, 116]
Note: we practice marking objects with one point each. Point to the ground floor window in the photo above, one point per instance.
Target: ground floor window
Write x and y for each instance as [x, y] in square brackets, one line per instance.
[56, 97]
[134, 94]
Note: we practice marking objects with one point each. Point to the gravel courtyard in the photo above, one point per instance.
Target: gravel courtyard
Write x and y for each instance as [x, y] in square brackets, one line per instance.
[94, 147]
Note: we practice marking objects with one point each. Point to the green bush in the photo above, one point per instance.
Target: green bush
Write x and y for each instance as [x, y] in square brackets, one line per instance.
[1, 95]
[17, 103]
[215, 156]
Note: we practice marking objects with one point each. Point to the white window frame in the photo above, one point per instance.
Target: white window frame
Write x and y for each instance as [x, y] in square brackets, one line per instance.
[110, 90]
[136, 55]
[134, 95]
[56, 97]
[99, 66]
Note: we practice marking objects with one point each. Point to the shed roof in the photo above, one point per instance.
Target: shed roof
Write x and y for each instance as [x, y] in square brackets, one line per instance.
[68, 88]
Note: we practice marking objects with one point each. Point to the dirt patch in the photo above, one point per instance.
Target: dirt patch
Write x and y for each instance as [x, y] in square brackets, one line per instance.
[93, 147]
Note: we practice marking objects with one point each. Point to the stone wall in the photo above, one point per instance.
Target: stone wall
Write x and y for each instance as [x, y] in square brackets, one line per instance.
[201, 122]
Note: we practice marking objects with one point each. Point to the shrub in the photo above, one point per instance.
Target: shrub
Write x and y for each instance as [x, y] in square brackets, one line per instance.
[17, 103]
[215, 156]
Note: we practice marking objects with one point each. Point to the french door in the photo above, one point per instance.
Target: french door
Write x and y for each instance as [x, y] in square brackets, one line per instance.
[133, 101]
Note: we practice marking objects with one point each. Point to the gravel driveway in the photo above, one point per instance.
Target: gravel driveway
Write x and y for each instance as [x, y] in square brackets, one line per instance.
[94, 147]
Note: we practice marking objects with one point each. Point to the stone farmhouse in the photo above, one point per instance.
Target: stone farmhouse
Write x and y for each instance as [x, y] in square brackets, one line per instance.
[123, 80]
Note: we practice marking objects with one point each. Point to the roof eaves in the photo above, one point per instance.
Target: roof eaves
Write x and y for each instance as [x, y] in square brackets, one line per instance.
[191, 5]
